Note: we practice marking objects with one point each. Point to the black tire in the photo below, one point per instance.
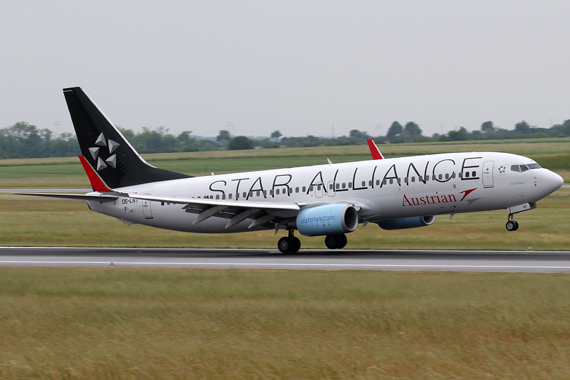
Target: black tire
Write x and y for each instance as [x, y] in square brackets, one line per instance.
[516, 225]
[331, 241]
[285, 245]
[296, 245]
[511, 226]
[342, 240]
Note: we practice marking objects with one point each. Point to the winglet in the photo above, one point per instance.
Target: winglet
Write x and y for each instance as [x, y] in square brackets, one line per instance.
[376, 155]
[96, 182]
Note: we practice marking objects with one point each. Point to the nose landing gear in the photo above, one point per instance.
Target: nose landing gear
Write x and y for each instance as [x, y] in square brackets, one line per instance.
[289, 244]
[512, 225]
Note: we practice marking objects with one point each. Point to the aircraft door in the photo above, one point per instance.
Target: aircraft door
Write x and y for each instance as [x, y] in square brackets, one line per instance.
[318, 190]
[488, 173]
[331, 191]
[147, 211]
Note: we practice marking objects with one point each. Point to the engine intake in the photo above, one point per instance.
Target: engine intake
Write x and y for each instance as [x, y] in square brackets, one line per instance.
[403, 223]
[330, 219]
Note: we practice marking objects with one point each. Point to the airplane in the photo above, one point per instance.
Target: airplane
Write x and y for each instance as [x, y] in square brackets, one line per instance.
[328, 200]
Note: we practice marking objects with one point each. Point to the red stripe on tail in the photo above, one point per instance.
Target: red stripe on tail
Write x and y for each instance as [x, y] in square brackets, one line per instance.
[96, 181]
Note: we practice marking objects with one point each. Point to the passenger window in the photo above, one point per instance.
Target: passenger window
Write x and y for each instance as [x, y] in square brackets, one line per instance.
[344, 185]
[223, 196]
[296, 189]
[413, 179]
[350, 185]
[338, 186]
[311, 188]
[446, 175]
[277, 192]
[440, 176]
[377, 182]
[466, 174]
[473, 174]
[244, 194]
[369, 183]
[391, 181]
[304, 189]
[217, 196]
[384, 181]
[230, 195]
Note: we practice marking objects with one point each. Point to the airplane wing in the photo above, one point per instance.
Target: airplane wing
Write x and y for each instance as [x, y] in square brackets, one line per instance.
[263, 213]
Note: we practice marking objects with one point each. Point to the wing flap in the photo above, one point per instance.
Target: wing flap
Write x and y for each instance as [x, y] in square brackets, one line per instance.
[216, 202]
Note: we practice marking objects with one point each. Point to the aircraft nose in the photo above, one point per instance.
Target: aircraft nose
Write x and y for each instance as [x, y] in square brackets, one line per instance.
[551, 181]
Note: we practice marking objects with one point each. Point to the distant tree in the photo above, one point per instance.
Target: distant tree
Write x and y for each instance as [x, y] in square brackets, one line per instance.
[487, 127]
[240, 143]
[460, 135]
[268, 144]
[276, 135]
[358, 135]
[522, 127]
[413, 130]
[394, 131]
[223, 136]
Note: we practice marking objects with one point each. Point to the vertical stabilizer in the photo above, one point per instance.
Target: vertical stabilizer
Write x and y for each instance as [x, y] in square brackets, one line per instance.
[104, 147]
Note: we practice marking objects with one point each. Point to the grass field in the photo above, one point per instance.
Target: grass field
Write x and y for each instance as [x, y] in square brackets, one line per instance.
[234, 324]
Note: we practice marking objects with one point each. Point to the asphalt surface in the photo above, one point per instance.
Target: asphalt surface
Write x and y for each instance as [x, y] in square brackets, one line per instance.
[404, 260]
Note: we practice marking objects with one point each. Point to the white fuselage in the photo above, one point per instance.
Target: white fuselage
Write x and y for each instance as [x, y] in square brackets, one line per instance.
[380, 189]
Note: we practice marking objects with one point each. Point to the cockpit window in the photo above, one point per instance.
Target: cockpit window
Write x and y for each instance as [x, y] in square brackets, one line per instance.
[524, 168]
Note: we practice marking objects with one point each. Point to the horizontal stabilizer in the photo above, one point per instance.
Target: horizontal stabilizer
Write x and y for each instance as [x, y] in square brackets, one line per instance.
[98, 198]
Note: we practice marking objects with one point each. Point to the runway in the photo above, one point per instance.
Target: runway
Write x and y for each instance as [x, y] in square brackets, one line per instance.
[394, 260]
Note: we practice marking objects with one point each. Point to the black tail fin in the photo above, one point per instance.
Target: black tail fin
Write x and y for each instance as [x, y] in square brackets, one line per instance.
[105, 148]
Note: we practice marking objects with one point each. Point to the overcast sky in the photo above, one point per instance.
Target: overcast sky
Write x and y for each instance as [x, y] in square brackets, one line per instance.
[294, 66]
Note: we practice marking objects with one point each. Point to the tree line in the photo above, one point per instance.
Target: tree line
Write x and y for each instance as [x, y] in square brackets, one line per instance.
[25, 140]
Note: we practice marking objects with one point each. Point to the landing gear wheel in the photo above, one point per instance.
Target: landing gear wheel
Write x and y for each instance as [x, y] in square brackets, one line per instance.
[516, 225]
[285, 245]
[331, 241]
[289, 244]
[511, 225]
[296, 244]
[336, 241]
[342, 241]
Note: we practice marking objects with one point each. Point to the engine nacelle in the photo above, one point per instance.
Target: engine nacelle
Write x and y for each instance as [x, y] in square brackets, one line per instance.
[330, 219]
[411, 222]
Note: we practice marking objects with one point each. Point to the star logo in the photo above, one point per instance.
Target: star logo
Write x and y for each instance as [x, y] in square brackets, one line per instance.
[100, 155]
[502, 169]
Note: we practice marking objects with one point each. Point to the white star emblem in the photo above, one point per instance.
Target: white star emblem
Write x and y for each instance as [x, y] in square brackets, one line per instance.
[96, 153]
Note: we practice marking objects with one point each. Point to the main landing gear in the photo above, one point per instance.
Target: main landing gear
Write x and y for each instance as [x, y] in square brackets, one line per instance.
[336, 241]
[512, 224]
[289, 244]
[292, 244]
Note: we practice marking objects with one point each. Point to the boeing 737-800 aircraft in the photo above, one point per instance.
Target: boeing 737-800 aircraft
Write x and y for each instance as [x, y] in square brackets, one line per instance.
[323, 200]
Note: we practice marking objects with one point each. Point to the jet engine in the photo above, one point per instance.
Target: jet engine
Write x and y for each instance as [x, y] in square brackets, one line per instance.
[332, 219]
[411, 222]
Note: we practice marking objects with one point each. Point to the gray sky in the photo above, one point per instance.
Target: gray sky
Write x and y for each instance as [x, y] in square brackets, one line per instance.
[294, 66]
